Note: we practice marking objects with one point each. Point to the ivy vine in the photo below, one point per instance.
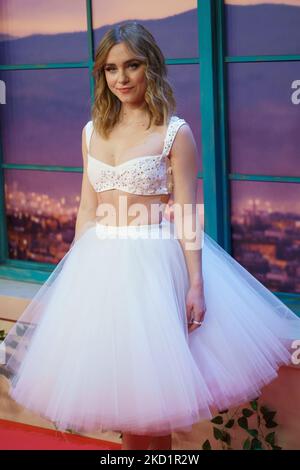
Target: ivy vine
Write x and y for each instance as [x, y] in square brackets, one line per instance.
[257, 438]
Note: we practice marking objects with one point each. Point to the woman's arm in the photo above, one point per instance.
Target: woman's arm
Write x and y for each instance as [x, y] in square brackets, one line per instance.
[88, 198]
[186, 217]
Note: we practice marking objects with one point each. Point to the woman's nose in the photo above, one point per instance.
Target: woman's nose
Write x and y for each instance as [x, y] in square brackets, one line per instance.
[122, 76]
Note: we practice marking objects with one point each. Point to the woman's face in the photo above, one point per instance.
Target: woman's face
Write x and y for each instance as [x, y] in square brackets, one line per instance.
[124, 71]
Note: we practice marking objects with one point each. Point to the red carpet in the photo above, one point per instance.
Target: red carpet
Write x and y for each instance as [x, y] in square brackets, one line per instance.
[18, 436]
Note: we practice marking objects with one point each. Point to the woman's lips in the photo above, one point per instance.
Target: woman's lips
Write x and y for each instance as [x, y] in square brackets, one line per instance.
[124, 90]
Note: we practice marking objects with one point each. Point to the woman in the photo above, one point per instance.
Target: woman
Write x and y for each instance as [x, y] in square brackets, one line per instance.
[116, 337]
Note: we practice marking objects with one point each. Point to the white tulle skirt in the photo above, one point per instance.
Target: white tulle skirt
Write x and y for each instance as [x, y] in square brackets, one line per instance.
[104, 344]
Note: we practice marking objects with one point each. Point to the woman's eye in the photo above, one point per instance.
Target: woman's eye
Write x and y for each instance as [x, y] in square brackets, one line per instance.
[112, 69]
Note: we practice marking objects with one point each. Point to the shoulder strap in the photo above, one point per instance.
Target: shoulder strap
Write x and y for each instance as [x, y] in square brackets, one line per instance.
[88, 133]
[174, 124]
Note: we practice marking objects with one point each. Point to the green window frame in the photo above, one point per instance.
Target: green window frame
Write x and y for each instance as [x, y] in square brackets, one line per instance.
[214, 133]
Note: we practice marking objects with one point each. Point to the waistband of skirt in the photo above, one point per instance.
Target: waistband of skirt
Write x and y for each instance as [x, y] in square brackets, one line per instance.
[165, 227]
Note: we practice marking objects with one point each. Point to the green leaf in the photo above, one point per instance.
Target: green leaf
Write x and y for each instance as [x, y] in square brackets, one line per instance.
[247, 444]
[217, 433]
[217, 420]
[269, 416]
[271, 424]
[229, 423]
[247, 413]
[253, 404]
[253, 432]
[243, 422]
[270, 438]
[226, 438]
[264, 409]
[256, 444]
[206, 445]
[268, 413]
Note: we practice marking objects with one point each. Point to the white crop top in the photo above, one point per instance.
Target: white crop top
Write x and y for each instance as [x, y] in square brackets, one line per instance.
[145, 175]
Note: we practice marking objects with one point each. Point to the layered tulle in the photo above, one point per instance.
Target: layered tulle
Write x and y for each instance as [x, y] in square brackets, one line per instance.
[104, 344]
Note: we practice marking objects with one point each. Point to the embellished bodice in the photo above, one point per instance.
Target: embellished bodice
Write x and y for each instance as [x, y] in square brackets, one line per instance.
[145, 175]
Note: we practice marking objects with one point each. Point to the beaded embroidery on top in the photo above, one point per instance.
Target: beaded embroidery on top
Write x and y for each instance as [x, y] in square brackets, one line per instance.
[145, 175]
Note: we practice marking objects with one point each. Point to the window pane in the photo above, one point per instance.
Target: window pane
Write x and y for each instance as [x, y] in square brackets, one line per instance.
[173, 23]
[262, 27]
[264, 116]
[39, 31]
[265, 232]
[41, 210]
[184, 80]
[44, 115]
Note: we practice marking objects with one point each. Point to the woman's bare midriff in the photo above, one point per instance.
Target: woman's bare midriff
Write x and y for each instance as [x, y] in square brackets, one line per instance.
[130, 209]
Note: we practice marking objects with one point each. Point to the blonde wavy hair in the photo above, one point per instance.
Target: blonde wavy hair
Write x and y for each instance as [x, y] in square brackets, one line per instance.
[159, 95]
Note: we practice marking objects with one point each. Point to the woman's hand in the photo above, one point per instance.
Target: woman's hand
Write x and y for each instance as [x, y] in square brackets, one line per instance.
[195, 306]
